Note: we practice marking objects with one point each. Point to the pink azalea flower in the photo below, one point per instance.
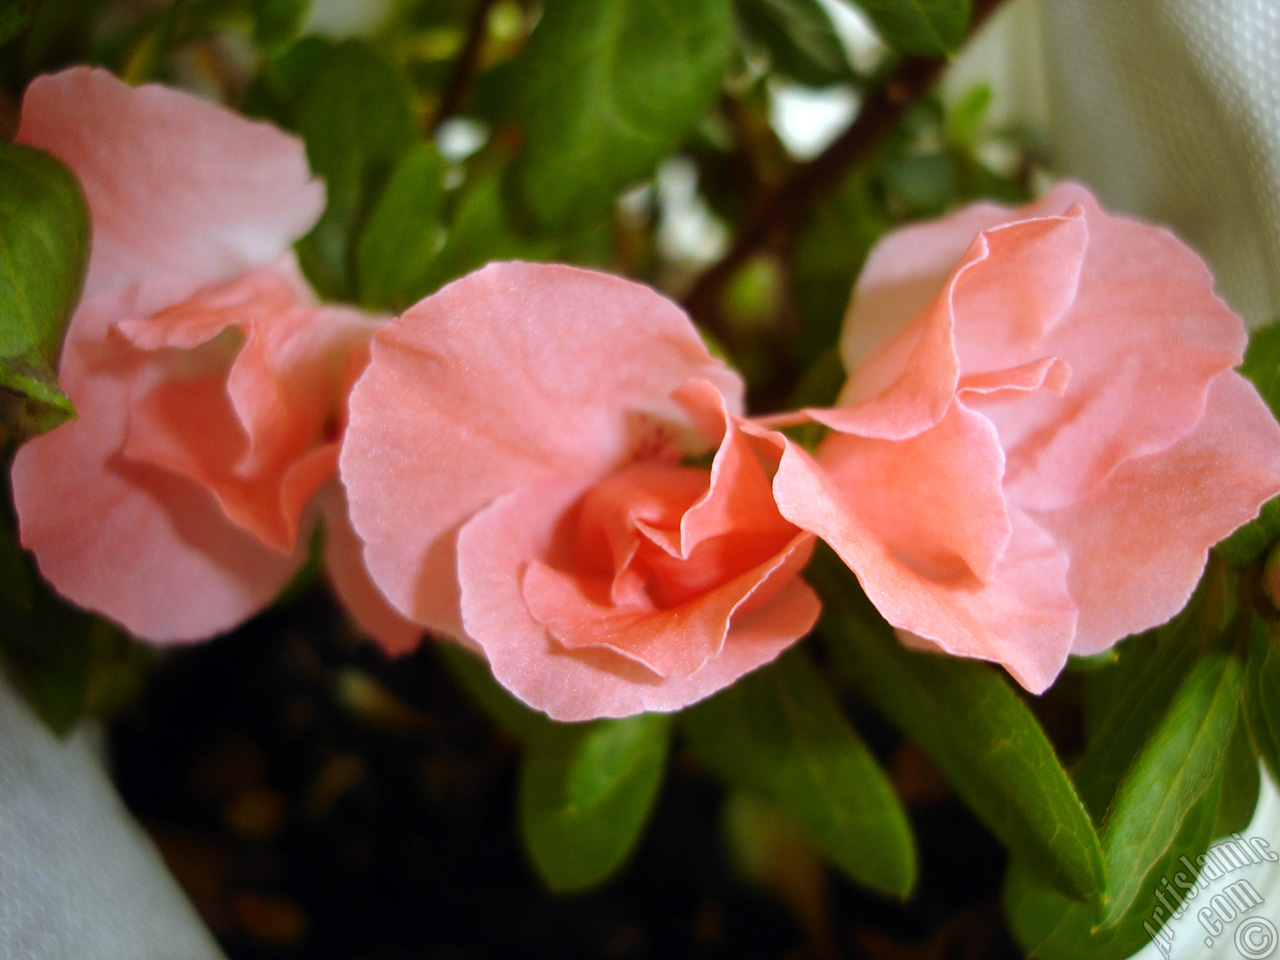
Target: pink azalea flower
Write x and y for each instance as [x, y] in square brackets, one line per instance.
[208, 382]
[514, 466]
[1041, 435]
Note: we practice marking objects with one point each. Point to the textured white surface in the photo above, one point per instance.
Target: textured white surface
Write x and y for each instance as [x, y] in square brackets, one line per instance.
[1171, 108]
[1203, 931]
[1167, 109]
[79, 880]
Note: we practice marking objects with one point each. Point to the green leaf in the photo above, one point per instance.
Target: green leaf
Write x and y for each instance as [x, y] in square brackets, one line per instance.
[923, 184]
[965, 117]
[1052, 927]
[64, 661]
[357, 122]
[403, 234]
[1241, 784]
[478, 234]
[1169, 776]
[1262, 694]
[15, 15]
[1131, 699]
[284, 78]
[1248, 544]
[610, 88]
[923, 28]
[586, 791]
[780, 733]
[44, 247]
[801, 40]
[276, 22]
[1262, 366]
[981, 735]
[833, 242]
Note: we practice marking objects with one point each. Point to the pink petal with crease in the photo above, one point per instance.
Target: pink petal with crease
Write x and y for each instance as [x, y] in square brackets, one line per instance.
[1138, 543]
[148, 549]
[705, 546]
[1095, 442]
[207, 380]
[260, 436]
[175, 185]
[1021, 615]
[935, 500]
[493, 383]
[493, 550]
[360, 596]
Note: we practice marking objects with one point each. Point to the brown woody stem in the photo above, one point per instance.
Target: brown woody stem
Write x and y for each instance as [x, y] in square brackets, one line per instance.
[776, 219]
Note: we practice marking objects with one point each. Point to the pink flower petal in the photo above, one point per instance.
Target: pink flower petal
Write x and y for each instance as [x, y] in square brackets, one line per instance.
[904, 274]
[905, 385]
[1007, 302]
[207, 380]
[360, 596]
[1012, 286]
[1139, 542]
[175, 185]
[701, 564]
[1144, 338]
[260, 437]
[494, 549]
[1020, 615]
[935, 500]
[1095, 442]
[146, 548]
[513, 375]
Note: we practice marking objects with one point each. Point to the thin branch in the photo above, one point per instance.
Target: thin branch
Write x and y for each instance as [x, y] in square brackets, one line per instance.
[458, 87]
[777, 219]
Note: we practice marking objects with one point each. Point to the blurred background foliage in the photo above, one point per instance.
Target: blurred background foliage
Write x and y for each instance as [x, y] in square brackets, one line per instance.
[855, 799]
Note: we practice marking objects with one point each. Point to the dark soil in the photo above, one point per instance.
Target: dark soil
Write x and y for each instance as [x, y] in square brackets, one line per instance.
[319, 801]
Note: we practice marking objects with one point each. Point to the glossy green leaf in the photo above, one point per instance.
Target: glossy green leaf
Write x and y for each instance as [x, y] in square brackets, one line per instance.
[1051, 927]
[780, 733]
[610, 88]
[1167, 778]
[59, 657]
[44, 248]
[15, 15]
[478, 234]
[276, 22]
[1262, 694]
[925, 28]
[586, 791]
[357, 122]
[1131, 698]
[980, 734]
[1241, 784]
[1261, 366]
[400, 241]
[801, 40]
